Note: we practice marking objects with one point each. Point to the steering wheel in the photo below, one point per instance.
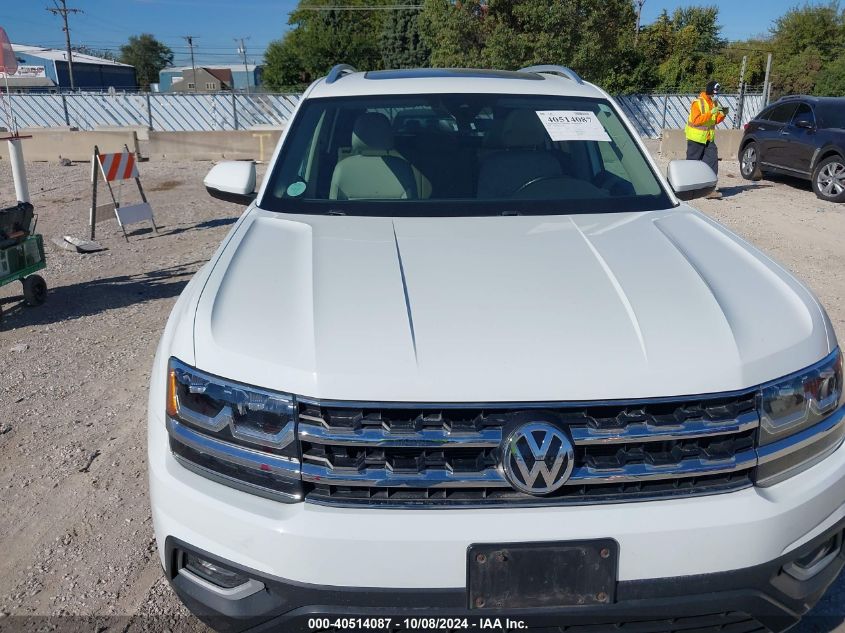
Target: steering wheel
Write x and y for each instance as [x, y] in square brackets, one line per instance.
[533, 182]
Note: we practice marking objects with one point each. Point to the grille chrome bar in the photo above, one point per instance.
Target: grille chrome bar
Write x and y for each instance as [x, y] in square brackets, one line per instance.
[425, 438]
[643, 432]
[378, 477]
[492, 437]
[492, 477]
[646, 472]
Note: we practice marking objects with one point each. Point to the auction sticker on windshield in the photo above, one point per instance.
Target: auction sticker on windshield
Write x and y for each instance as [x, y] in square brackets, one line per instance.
[571, 125]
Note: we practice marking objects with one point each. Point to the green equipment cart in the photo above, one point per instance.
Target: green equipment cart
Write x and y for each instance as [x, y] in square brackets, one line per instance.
[22, 253]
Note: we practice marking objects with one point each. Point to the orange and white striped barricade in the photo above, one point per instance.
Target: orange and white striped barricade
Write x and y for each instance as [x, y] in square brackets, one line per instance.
[117, 168]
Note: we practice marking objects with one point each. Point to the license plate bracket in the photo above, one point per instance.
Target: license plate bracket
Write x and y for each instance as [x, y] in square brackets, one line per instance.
[537, 575]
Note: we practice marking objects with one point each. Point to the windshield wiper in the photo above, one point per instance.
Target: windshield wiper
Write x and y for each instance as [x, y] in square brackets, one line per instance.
[511, 212]
[335, 212]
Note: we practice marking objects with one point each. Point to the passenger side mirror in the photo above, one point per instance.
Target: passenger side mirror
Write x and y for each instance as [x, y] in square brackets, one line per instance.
[232, 181]
[690, 178]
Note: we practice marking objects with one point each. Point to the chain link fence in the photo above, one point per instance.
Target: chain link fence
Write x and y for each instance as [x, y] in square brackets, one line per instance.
[650, 113]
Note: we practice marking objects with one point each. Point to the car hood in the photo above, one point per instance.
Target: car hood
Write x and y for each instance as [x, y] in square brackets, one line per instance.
[504, 309]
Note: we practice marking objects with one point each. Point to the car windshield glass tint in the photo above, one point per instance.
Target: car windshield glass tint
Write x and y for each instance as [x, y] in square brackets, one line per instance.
[461, 154]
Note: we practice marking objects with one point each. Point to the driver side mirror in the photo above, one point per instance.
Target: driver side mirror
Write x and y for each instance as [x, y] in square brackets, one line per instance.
[804, 124]
[232, 181]
[690, 178]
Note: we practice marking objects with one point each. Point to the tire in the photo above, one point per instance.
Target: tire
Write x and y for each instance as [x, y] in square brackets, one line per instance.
[34, 290]
[749, 162]
[829, 179]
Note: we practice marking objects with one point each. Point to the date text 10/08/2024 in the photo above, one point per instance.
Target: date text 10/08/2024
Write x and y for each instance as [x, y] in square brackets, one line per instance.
[411, 624]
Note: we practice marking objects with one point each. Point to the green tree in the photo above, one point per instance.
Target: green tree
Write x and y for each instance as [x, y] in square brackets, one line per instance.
[402, 45]
[684, 49]
[322, 36]
[148, 56]
[594, 38]
[831, 80]
[456, 32]
[728, 64]
[283, 71]
[821, 26]
[807, 41]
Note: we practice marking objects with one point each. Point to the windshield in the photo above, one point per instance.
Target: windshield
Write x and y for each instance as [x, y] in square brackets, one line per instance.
[458, 155]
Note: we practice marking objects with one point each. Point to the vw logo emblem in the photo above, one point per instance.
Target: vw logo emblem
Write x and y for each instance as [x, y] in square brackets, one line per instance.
[537, 458]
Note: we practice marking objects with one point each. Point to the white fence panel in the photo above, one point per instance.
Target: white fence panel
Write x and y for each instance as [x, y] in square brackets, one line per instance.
[161, 112]
[650, 113]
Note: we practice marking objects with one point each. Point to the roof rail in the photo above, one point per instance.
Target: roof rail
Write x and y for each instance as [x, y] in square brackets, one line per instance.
[339, 71]
[552, 69]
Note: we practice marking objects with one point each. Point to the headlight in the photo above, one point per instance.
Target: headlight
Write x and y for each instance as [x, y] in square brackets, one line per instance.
[801, 420]
[236, 434]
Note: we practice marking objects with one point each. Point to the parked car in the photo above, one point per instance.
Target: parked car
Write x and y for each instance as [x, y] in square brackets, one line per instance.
[490, 370]
[799, 136]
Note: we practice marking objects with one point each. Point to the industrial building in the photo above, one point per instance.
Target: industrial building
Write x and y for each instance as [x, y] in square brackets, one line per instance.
[46, 69]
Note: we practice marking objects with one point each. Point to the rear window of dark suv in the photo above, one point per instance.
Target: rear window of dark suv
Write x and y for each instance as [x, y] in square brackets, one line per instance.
[831, 114]
[781, 113]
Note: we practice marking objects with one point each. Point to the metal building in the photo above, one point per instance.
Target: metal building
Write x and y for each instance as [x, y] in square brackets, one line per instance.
[46, 69]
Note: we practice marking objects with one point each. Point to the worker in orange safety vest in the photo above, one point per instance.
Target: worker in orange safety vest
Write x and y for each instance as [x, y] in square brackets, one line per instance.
[705, 114]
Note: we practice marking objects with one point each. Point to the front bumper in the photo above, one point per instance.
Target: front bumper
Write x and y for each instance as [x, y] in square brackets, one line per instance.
[757, 599]
[698, 556]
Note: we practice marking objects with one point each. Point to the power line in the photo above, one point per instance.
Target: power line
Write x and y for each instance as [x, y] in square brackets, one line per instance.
[385, 7]
[64, 12]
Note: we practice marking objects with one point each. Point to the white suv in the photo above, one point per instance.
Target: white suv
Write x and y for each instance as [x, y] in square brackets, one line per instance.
[467, 362]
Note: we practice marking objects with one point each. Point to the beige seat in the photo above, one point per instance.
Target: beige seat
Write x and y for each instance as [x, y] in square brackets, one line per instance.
[371, 172]
[523, 159]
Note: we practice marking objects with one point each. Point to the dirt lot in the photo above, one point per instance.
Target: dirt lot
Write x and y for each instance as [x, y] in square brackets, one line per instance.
[75, 528]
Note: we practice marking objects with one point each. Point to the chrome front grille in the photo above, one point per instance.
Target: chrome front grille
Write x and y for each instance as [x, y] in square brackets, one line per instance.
[429, 455]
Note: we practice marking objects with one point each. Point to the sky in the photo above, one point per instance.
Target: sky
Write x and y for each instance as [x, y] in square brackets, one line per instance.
[106, 24]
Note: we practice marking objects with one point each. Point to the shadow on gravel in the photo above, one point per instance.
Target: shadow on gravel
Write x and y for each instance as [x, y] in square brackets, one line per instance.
[796, 183]
[728, 192]
[208, 224]
[99, 295]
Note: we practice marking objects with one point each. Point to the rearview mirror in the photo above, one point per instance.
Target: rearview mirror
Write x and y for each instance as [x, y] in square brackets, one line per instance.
[232, 181]
[690, 178]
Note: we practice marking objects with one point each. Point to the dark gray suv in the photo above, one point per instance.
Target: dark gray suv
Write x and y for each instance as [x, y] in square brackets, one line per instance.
[799, 136]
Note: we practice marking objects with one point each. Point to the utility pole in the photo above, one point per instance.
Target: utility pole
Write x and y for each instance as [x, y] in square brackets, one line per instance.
[741, 96]
[242, 51]
[767, 82]
[640, 4]
[64, 12]
[190, 40]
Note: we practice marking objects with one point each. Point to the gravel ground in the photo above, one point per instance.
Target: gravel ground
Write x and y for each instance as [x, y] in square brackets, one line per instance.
[75, 527]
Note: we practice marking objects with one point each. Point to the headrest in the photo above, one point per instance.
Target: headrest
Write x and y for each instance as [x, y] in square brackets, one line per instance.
[522, 128]
[372, 133]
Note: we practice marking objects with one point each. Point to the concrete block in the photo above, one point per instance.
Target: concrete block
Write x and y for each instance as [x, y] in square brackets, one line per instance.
[221, 145]
[674, 144]
[48, 145]
[142, 131]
